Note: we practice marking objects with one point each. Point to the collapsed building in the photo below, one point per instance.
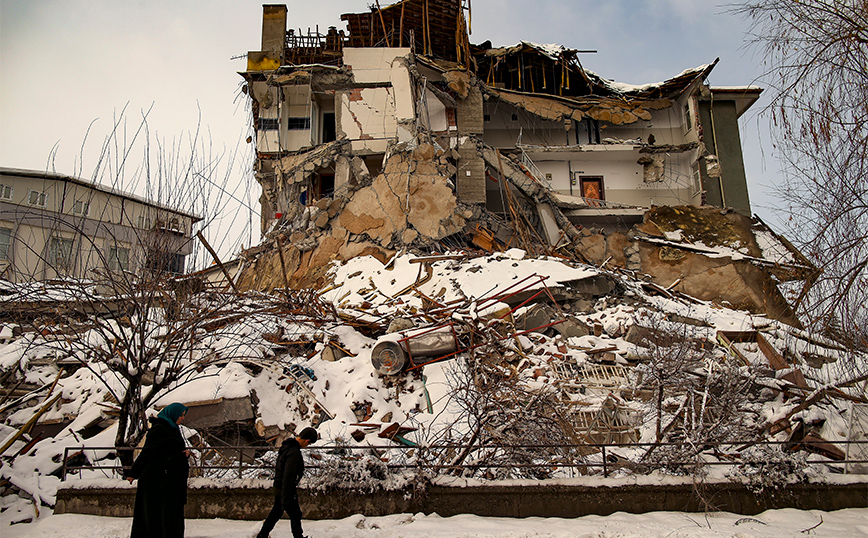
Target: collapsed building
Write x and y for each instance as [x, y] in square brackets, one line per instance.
[380, 148]
[399, 134]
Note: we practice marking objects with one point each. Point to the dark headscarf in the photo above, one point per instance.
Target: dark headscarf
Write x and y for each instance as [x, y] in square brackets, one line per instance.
[171, 412]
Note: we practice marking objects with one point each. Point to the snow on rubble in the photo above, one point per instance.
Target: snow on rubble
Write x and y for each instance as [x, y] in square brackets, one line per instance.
[543, 350]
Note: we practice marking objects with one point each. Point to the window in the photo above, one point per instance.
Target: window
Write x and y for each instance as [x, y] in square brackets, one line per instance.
[688, 118]
[298, 124]
[6, 192]
[5, 241]
[118, 259]
[592, 127]
[80, 207]
[144, 222]
[37, 198]
[60, 254]
[165, 261]
[269, 124]
[329, 132]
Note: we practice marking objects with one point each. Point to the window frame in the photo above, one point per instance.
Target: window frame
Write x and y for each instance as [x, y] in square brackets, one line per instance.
[298, 123]
[61, 264]
[114, 260]
[4, 248]
[41, 199]
[81, 203]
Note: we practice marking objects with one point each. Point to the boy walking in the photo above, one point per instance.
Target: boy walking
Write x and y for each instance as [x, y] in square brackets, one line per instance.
[287, 474]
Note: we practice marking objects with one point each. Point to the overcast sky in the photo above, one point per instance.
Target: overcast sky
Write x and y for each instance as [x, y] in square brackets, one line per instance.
[69, 66]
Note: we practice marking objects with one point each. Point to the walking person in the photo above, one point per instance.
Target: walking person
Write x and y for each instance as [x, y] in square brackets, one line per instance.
[287, 474]
[161, 470]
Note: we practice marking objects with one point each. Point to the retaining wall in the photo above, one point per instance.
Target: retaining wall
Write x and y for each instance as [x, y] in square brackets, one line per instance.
[498, 501]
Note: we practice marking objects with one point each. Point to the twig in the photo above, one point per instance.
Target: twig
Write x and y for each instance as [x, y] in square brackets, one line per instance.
[749, 520]
[808, 530]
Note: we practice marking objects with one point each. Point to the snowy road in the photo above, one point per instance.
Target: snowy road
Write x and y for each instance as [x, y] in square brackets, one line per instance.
[771, 524]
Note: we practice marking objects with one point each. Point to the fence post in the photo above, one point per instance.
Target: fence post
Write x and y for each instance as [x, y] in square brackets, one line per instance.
[63, 469]
[605, 466]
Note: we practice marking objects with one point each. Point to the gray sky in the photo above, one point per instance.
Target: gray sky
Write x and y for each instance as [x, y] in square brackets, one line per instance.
[72, 65]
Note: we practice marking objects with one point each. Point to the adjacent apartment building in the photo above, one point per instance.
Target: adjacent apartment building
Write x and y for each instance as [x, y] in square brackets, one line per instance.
[57, 226]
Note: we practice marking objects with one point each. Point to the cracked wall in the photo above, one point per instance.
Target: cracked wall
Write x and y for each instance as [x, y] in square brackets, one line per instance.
[682, 266]
[410, 203]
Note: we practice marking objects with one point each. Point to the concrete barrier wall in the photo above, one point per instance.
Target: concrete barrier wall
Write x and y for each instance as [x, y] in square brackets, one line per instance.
[497, 501]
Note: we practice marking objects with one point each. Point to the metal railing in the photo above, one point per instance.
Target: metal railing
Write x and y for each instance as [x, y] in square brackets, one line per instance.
[578, 459]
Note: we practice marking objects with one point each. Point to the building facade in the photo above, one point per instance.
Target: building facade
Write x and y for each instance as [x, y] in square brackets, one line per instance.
[56, 226]
[604, 152]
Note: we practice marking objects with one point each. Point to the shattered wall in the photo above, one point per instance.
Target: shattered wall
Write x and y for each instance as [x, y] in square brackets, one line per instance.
[725, 185]
[411, 202]
[712, 255]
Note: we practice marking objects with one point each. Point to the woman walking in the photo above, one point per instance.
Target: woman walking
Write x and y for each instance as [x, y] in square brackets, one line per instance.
[161, 470]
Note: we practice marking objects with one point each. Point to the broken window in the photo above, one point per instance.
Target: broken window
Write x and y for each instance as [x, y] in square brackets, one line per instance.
[5, 241]
[688, 118]
[592, 188]
[324, 186]
[60, 254]
[269, 124]
[298, 124]
[592, 128]
[329, 133]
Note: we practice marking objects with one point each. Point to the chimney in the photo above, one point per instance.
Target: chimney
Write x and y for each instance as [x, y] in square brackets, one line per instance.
[273, 28]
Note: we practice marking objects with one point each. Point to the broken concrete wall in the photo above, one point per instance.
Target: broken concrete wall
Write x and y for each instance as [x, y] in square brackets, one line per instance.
[726, 183]
[469, 116]
[367, 114]
[377, 113]
[698, 272]
[411, 202]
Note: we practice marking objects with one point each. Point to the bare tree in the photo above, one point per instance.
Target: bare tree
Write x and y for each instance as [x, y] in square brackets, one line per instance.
[139, 326]
[815, 56]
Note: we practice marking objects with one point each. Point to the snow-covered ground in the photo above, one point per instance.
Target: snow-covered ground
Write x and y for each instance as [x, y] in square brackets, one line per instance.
[771, 524]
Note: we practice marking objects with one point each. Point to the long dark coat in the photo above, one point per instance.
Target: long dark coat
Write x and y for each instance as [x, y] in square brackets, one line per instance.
[161, 470]
[288, 470]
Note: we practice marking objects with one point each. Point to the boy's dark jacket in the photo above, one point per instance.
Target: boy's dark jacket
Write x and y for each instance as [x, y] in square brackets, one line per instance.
[289, 469]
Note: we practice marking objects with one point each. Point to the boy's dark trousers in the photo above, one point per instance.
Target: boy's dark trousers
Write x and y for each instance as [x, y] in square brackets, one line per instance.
[293, 511]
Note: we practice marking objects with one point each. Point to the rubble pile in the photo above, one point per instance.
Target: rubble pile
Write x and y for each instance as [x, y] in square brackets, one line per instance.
[544, 358]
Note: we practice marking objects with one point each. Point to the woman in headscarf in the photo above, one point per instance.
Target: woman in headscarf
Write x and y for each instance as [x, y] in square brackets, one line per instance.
[162, 470]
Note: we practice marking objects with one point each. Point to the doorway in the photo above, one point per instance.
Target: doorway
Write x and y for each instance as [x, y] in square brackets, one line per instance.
[592, 189]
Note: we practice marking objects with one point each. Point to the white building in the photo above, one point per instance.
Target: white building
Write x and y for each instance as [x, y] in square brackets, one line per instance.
[57, 226]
